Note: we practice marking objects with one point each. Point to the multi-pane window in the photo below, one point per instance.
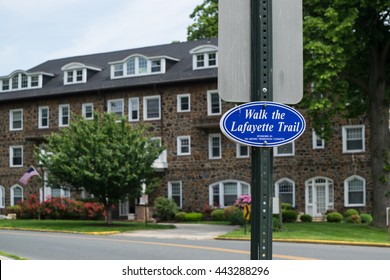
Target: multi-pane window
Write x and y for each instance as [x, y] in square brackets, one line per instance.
[156, 66]
[16, 156]
[175, 193]
[183, 103]
[16, 119]
[355, 191]
[137, 65]
[242, 151]
[353, 138]
[318, 142]
[213, 103]
[285, 150]
[116, 106]
[118, 70]
[20, 81]
[75, 76]
[64, 115]
[285, 190]
[87, 110]
[152, 108]
[226, 193]
[205, 60]
[16, 195]
[215, 149]
[2, 197]
[134, 109]
[43, 117]
[183, 145]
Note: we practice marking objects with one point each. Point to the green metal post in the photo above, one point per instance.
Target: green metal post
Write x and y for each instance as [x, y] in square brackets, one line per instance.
[262, 160]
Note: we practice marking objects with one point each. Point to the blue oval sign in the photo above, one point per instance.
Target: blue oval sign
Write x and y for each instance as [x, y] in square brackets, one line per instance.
[263, 124]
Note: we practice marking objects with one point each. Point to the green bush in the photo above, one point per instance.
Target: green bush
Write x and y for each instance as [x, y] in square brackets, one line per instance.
[234, 215]
[287, 206]
[351, 212]
[289, 216]
[366, 218]
[353, 219]
[218, 215]
[334, 217]
[165, 208]
[193, 217]
[306, 218]
[276, 225]
[180, 216]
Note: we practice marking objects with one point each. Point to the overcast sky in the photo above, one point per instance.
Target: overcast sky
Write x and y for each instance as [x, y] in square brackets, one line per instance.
[34, 31]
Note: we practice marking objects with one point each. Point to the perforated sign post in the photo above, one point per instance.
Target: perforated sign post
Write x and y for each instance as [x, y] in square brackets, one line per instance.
[253, 36]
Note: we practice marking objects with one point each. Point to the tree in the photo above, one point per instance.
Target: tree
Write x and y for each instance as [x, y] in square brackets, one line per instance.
[106, 157]
[347, 72]
[205, 18]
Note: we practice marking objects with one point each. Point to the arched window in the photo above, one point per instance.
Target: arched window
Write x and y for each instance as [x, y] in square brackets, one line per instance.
[16, 195]
[285, 190]
[319, 196]
[355, 191]
[225, 193]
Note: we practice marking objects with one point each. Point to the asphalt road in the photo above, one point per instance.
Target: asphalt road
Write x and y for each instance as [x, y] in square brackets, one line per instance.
[188, 245]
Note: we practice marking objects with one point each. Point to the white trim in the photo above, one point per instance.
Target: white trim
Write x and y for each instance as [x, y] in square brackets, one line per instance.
[40, 117]
[179, 103]
[280, 154]
[170, 192]
[206, 51]
[180, 145]
[315, 139]
[12, 194]
[346, 191]
[11, 120]
[221, 193]
[11, 155]
[238, 151]
[61, 115]
[211, 136]
[145, 103]
[84, 110]
[209, 103]
[277, 188]
[134, 100]
[344, 135]
[311, 195]
[2, 197]
[109, 106]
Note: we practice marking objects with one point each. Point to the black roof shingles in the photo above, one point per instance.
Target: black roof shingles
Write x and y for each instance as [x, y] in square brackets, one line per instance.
[178, 72]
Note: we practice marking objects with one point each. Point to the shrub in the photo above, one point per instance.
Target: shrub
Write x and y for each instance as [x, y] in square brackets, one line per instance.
[13, 210]
[165, 208]
[234, 215]
[193, 217]
[334, 217]
[218, 215]
[206, 211]
[366, 218]
[354, 219]
[306, 218]
[276, 225]
[287, 206]
[351, 212]
[289, 216]
[180, 216]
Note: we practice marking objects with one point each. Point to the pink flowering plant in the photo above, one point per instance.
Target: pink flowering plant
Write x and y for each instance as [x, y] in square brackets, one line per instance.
[243, 200]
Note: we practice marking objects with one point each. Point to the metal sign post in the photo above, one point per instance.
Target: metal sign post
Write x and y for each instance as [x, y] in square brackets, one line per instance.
[262, 160]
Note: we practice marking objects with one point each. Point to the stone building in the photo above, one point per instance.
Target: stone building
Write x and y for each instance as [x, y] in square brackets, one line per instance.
[173, 88]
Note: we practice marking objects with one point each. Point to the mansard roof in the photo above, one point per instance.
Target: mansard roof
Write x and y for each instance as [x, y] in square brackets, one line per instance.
[180, 70]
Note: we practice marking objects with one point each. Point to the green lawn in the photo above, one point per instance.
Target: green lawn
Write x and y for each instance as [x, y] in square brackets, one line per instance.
[324, 231]
[79, 226]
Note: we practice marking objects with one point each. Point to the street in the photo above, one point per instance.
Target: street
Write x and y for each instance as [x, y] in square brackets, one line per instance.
[61, 246]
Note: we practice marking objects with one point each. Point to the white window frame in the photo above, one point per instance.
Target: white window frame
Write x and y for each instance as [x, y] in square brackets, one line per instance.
[318, 142]
[119, 113]
[11, 156]
[279, 153]
[179, 103]
[171, 194]
[277, 189]
[345, 140]
[12, 194]
[84, 110]
[31, 80]
[346, 191]
[209, 103]
[133, 107]
[238, 151]
[206, 51]
[40, 116]
[145, 103]
[2, 197]
[311, 188]
[211, 137]
[221, 191]
[61, 115]
[74, 76]
[180, 145]
[11, 119]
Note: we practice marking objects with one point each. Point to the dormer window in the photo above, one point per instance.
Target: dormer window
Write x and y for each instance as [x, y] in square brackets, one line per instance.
[205, 56]
[20, 80]
[76, 73]
[139, 65]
